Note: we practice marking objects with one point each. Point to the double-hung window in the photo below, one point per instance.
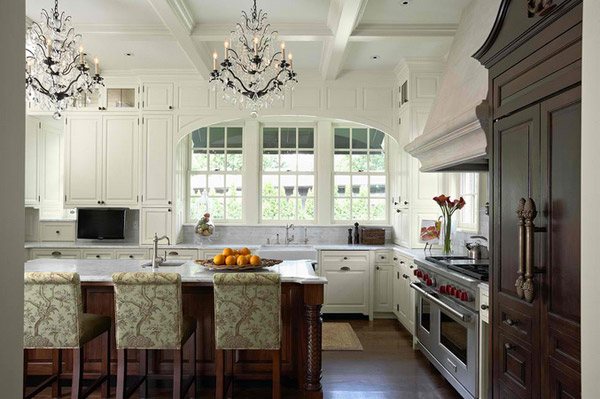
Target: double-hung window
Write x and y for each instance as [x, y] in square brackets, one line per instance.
[288, 174]
[215, 177]
[360, 177]
[468, 188]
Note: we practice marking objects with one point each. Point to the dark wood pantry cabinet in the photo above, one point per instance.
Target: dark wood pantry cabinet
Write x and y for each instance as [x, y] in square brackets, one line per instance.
[533, 55]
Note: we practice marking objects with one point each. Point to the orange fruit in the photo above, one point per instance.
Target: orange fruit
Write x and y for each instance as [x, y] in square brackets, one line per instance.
[236, 252]
[219, 260]
[242, 260]
[227, 252]
[244, 251]
[230, 260]
[255, 260]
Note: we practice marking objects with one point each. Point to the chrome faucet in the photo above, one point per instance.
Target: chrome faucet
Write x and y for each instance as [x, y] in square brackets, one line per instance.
[288, 239]
[157, 260]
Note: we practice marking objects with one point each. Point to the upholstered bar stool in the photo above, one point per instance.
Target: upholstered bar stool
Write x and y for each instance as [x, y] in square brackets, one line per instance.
[149, 315]
[54, 319]
[247, 317]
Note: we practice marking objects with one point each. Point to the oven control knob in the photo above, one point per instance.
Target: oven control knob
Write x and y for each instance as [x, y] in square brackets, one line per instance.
[426, 277]
[457, 294]
[428, 282]
[442, 289]
[464, 296]
[433, 282]
[415, 272]
[451, 290]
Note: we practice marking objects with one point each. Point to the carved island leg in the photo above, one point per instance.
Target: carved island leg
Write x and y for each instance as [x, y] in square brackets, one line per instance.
[313, 300]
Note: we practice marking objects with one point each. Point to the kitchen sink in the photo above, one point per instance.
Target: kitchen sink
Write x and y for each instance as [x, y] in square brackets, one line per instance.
[288, 252]
[168, 263]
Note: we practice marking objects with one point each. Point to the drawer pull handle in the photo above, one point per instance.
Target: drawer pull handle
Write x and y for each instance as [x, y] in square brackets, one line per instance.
[344, 268]
[130, 256]
[395, 258]
[173, 253]
[411, 266]
[508, 346]
[401, 262]
[510, 322]
[345, 258]
[484, 307]
[98, 256]
[57, 231]
[56, 253]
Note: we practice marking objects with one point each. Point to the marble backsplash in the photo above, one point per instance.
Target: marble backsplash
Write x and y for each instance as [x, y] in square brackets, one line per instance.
[256, 235]
[461, 237]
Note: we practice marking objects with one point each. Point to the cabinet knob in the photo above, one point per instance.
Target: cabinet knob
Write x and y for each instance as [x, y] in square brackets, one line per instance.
[484, 307]
[169, 209]
[98, 256]
[398, 211]
[170, 107]
[508, 346]
[130, 256]
[99, 202]
[405, 202]
[57, 231]
[345, 258]
[377, 268]
[169, 202]
[395, 258]
[510, 322]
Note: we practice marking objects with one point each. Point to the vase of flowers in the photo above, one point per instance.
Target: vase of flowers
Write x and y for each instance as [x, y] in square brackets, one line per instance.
[448, 207]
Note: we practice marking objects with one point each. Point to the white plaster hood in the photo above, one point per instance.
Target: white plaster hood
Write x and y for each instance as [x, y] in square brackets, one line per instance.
[454, 137]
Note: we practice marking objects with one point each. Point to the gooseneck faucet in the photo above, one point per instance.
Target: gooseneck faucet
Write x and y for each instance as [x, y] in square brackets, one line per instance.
[157, 260]
[288, 239]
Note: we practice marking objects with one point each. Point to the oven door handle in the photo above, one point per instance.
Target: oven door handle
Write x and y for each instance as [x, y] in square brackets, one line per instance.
[464, 317]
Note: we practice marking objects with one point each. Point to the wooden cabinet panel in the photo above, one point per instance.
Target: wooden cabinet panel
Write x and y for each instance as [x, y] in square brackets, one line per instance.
[121, 149]
[516, 363]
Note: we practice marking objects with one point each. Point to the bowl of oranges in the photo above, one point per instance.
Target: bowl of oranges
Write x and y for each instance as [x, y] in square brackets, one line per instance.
[237, 259]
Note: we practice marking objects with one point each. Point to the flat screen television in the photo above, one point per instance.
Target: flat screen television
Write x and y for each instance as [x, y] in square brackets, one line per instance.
[101, 224]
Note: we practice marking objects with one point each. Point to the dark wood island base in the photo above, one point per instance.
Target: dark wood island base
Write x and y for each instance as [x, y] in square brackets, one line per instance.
[301, 338]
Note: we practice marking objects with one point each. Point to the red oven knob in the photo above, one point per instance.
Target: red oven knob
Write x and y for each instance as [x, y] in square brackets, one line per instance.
[442, 289]
[426, 277]
[451, 290]
[457, 294]
[415, 272]
[433, 282]
[420, 274]
[464, 296]
[428, 282]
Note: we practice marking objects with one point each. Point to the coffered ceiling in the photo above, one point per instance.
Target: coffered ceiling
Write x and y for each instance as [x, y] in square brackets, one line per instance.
[328, 36]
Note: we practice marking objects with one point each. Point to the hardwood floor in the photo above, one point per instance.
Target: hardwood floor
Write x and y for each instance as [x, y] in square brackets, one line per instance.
[388, 368]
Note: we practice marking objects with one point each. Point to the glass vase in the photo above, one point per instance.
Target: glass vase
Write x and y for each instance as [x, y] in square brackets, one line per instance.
[447, 231]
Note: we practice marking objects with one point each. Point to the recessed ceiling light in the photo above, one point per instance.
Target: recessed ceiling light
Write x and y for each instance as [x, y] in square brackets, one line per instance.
[129, 54]
[405, 2]
[374, 57]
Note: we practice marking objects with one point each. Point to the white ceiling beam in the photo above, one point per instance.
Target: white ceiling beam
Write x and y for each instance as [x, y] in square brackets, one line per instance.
[371, 32]
[343, 17]
[178, 19]
[291, 32]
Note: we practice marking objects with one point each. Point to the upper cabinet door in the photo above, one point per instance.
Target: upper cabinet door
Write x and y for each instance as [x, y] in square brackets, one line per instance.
[121, 149]
[157, 96]
[32, 194]
[425, 186]
[83, 171]
[157, 164]
[51, 176]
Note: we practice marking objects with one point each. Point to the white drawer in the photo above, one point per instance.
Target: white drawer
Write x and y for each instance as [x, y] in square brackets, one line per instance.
[58, 231]
[383, 257]
[211, 253]
[98, 254]
[55, 253]
[181, 254]
[131, 254]
[336, 260]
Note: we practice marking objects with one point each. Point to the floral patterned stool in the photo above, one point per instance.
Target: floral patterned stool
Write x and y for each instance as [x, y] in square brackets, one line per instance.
[149, 315]
[54, 319]
[247, 316]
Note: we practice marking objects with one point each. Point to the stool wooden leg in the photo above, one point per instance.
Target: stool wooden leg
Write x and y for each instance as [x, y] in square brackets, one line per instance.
[193, 365]
[229, 363]
[121, 372]
[276, 374]
[105, 390]
[57, 371]
[219, 359]
[178, 373]
[25, 359]
[144, 373]
[77, 382]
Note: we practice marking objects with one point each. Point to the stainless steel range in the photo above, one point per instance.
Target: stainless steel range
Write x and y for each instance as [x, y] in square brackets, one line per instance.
[448, 319]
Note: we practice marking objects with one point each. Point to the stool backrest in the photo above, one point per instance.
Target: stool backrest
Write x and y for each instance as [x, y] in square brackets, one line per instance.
[53, 310]
[148, 311]
[247, 310]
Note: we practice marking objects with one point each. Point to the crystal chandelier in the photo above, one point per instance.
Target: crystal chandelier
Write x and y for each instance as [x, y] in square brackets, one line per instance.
[57, 73]
[251, 73]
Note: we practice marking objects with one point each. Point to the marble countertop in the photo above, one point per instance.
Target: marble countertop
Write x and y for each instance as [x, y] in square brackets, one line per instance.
[300, 272]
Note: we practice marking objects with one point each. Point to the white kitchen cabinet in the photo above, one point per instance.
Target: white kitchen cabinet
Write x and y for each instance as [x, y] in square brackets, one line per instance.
[383, 295]
[32, 129]
[348, 281]
[120, 160]
[83, 162]
[155, 220]
[157, 96]
[396, 289]
[138, 254]
[424, 186]
[404, 298]
[102, 161]
[57, 231]
[98, 254]
[157, 160]
[179, 254]
[402, 227]
[50, 253]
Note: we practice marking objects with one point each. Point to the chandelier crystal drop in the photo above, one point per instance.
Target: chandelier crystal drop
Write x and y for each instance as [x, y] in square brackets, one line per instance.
[57, 74]
[253, 73]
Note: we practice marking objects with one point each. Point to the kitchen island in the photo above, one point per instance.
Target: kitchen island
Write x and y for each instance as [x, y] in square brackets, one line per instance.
[301, 302]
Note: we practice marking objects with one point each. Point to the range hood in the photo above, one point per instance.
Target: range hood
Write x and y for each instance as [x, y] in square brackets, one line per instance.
[454, 137]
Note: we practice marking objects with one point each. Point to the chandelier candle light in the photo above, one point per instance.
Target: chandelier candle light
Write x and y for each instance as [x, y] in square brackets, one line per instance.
[57, 73]
[250, 73]
[448, 208]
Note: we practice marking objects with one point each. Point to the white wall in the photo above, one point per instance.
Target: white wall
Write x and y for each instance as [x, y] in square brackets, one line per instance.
[12, 180]
[590, 192]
